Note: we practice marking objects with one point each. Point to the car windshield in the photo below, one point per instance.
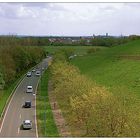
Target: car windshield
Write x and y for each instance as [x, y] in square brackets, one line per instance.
[28, 123]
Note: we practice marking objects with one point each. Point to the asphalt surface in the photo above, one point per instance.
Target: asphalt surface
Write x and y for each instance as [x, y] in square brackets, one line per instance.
[16, 114]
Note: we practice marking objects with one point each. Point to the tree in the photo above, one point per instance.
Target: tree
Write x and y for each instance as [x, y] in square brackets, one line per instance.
[91, 110]
[101, 114]
[2, 82]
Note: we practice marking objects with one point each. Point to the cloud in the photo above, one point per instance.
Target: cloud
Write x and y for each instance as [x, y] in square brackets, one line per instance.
[70, 18]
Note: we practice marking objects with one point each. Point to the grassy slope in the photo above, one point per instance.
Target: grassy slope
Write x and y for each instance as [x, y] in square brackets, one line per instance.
[107, 69]
[77, 49]
[4, 94]
[46, 128]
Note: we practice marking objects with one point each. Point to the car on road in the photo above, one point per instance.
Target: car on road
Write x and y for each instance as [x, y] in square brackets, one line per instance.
[33, 70]
[29, 74]
[27, 104]
[29, 89]
[37, 73]
[27, 124]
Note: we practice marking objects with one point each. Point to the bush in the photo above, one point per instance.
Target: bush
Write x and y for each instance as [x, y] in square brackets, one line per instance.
[100, 114]
[91, 110]
[2, 82]
[15, 59]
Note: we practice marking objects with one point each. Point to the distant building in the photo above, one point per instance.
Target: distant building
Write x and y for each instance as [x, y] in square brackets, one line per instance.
[106, 34]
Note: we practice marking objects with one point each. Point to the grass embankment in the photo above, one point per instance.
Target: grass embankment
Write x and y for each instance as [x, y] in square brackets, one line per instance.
[117, 68]
[79, 50]
[5, 93]
[90, 110]
[46, 123]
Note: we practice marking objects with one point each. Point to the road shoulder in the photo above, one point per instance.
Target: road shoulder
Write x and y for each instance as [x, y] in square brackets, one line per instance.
[59, 119]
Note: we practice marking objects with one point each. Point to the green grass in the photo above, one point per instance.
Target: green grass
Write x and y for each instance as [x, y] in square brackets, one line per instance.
[107, 69]
[4, 94]
[79, 50]
[46, 123]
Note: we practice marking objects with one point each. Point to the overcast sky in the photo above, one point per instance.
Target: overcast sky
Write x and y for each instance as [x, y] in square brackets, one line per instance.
[76, 19]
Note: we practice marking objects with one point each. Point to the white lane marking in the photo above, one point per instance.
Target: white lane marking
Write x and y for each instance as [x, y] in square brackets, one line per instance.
[20, 82]
[35, 106]
[18, 130]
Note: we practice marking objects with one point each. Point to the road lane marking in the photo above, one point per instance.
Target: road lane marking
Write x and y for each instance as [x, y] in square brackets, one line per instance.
[18, 130]
[35, 106]
[20, 82]
[5, 114]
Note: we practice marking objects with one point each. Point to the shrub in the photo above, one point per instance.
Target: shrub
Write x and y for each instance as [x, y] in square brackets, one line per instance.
[91, 110]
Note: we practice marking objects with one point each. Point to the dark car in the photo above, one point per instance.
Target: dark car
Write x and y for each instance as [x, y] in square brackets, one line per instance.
[27, 104]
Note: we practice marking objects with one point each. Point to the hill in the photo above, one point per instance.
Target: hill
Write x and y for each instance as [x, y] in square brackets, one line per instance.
[117, 68]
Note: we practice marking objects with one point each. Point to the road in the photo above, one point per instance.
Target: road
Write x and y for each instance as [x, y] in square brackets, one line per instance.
[16, 114]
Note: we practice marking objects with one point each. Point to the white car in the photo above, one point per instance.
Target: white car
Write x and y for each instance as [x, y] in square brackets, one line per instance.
[29, 89]
[33, 70]
[29, 74]
[37, 73]
[27, 124]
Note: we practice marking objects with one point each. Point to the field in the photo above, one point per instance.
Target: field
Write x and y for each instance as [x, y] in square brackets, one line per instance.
[79, 50]
[117, 68]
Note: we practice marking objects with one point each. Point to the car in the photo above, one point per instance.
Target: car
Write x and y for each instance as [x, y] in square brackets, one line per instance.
[27, 104]
[37, 73]
[29, 74]
[33, 70]
[27, 124]
[29, 89]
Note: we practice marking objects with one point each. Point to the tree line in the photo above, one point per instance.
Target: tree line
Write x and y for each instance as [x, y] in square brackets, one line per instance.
[107, 41]
[15, 58]
[23, 41]
[45, 41]
[92, 110]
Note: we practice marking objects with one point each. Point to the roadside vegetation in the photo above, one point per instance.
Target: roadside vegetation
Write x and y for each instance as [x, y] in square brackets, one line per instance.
[79, 50]
[15, 60]
[97, 95]
[91, 110]
[117, 68]
[45, 120]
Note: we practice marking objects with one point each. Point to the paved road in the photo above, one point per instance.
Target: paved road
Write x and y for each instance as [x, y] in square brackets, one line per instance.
[15, 113]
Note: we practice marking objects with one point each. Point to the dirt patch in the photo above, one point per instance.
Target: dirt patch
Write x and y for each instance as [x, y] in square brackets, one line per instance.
[130, 57]
[57, 114]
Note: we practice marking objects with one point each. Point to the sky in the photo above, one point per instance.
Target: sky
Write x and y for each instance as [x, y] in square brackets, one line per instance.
[69, 19]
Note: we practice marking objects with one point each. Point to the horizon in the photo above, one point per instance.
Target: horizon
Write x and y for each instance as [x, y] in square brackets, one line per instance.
[67, 35]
